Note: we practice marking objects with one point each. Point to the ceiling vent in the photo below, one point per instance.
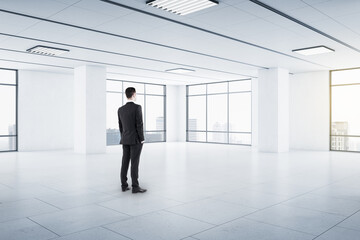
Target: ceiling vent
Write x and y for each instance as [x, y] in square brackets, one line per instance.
[48, 51]
[182, 7]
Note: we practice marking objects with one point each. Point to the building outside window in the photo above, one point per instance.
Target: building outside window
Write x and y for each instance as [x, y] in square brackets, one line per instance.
[345, 111]
[152, 99]
[8, 110]
[219, 112]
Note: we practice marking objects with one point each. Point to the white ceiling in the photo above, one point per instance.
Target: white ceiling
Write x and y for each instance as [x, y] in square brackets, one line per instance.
[140, 47]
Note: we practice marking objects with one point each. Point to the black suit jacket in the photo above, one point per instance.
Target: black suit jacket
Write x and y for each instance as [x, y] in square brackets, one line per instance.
[131, 124]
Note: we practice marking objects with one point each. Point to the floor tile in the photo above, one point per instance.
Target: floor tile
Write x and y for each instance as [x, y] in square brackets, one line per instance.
[159, 225]
[71, 200]
[77, 219]
[281, 188]
[32, 191]
[338, 233]
[337, 191]
[300, 219]
[252, 199]
[353, 222]
[212, 211]
[24, 229]
[24, 208]
[251, 230]
[98, 233]
[325, 204]
[138, 204]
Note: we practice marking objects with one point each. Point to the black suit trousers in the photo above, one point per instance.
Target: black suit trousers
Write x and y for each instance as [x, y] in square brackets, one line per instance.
[130, 152]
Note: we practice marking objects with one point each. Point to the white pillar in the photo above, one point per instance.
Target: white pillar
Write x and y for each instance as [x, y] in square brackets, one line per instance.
[175, 113]
[90, 109]
[273, 86]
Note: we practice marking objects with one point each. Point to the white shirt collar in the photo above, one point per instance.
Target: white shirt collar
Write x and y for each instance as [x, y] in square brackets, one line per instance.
[129, 100]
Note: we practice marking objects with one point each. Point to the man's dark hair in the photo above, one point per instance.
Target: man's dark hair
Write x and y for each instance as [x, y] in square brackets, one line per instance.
[130, 92]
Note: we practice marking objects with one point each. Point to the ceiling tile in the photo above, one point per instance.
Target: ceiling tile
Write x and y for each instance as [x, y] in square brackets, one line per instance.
[47, 8]
[224, 17]
[81, 17]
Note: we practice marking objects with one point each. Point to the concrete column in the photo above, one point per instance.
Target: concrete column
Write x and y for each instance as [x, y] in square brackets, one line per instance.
[273, 86]
[90, 109]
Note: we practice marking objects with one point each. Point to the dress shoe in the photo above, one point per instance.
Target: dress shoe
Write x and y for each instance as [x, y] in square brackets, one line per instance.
[124, 189]
[138, 190]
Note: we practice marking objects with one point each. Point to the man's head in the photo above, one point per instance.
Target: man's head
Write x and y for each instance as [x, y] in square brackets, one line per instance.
[130, 93]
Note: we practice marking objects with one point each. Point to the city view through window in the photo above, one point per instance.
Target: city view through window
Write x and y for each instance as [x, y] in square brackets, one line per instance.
[219, 112]
[345, 111]
[151, 97]
[8, 110]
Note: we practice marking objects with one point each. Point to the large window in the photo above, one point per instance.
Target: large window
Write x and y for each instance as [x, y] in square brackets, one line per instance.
[8, 110]
[345, 111]
[219, 112]
[151, 97]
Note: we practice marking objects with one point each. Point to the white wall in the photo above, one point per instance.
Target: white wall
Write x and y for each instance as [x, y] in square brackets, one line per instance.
[175, 113]
[309, 111]
[45, 111]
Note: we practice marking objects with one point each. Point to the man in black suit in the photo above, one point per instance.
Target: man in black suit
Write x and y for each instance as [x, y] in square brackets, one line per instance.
[132, 139]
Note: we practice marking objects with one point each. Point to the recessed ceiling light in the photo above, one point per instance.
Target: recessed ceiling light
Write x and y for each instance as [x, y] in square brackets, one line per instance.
[49, 51]
[180, 70]
[313, 50]
[182, 7]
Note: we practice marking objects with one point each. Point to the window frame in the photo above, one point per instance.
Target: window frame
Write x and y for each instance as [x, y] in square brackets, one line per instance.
[330, 103]
[206, 94]
[144, 108]
[16, 110]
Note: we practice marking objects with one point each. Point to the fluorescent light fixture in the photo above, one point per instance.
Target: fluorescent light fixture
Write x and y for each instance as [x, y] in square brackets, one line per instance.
[182, 7]
[49, 51]
[313, 50]
[180, 70]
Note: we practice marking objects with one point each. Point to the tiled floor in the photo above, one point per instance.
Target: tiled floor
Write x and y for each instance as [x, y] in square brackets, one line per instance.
[195, 191]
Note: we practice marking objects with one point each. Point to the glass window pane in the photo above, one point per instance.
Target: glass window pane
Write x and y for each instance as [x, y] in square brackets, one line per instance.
[114, 86]
[154, 136]
[113, 102]
[7, 144]
[112, 137]
[7, 110]
[154, 89]
[217, 112]
[240, 86]
[240, 138]
[345, 143]
[345, 110]
[345, 77]
[154, 113]
[240, 112]
[197, 136]
[7, 76]
[217, 137]
[139, 87]
[218, 88]
[197, 113]
[197, 89]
